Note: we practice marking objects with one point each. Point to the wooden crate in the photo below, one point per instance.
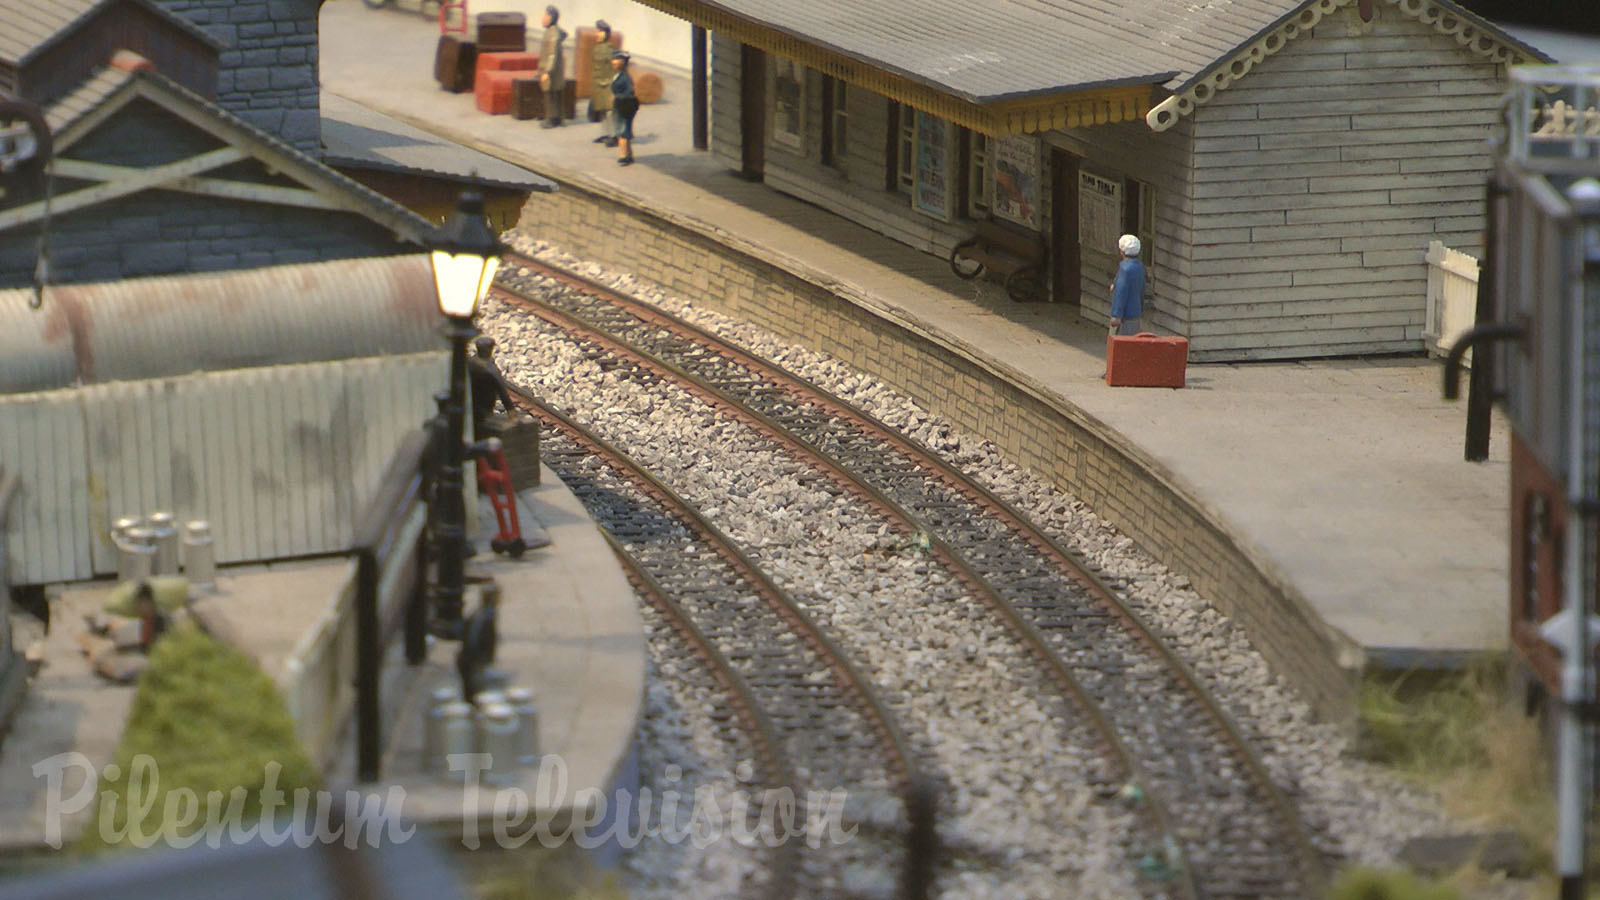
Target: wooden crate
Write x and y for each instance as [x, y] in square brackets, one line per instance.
[502, 31]
[527, 98]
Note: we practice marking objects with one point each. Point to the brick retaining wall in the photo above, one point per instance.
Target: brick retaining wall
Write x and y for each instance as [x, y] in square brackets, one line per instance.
[1034, 427]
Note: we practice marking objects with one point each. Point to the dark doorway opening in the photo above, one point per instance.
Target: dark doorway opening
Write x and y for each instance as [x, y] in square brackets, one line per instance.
[1065, 264]
[752, 112]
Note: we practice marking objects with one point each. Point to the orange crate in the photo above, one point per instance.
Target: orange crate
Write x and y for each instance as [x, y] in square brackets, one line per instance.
[493, 91]
[507, 62]
[1145, 360]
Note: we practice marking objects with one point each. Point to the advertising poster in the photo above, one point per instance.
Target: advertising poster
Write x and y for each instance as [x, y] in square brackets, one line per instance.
[931, 188]
[1016, 180]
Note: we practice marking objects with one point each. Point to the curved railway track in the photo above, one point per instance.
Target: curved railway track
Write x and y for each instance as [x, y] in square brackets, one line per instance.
[809, 734]
[1236, 833]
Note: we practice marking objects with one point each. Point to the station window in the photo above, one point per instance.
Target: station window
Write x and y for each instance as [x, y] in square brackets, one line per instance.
[789, 103]
[835, 119]
[980, 176]
[908, 150]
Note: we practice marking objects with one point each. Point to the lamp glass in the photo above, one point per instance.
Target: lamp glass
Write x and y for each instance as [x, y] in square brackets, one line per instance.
[462, 280]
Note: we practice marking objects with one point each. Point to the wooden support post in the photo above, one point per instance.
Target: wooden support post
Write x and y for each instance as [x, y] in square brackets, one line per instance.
[702, 139]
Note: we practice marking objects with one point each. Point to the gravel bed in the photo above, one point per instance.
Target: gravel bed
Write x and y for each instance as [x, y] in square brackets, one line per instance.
[1022, 784]
[1365, 815]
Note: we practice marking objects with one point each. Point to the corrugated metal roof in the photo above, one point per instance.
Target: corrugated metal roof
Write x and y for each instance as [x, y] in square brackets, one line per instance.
[85, 97]
[1006, 49]
[359, 137]
[156, 327]
[31, 26]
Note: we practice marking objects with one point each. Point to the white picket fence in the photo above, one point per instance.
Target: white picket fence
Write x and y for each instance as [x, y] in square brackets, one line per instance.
[1452, 297]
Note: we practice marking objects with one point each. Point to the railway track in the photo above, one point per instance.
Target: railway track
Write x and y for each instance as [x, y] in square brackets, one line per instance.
[1230, 831]
[812, 722]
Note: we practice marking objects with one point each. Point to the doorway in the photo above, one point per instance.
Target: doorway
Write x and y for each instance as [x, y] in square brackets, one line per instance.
[1066, 270]
[752, 112]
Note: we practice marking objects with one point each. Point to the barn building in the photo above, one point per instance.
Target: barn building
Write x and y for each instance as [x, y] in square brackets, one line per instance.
[1285, 162]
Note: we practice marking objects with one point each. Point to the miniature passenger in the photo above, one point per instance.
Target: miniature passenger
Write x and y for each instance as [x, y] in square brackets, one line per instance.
[600, 98]
[625, 105]
[488, 385]
[1127, 292]
[553, 70]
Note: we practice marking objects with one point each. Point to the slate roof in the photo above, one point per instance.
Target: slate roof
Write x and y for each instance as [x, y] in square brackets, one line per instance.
[358, 137]
[28, 27]
[1008, 49]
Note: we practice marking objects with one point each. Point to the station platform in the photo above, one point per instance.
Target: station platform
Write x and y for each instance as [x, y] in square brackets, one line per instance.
[1342, 478]
[569, 628]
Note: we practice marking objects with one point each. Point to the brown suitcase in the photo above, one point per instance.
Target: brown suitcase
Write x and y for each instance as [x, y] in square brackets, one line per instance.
[499, 32]
[455, 64]
[527, 99]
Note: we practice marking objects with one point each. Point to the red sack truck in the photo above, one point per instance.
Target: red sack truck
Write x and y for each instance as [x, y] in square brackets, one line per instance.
[1146, 360]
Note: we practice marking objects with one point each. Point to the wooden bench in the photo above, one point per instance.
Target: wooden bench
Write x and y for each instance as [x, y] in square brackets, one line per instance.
[1015, 255]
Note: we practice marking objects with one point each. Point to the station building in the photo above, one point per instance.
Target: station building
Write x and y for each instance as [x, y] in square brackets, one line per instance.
[1285, 162]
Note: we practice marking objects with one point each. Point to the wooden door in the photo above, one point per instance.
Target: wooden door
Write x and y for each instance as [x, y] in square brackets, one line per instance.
[1065, 263]
[753, 111]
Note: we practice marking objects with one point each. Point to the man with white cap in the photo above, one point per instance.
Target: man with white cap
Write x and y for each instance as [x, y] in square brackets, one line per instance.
[1127, 292]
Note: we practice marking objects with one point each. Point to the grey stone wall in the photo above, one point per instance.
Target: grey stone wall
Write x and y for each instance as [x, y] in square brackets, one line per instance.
[268, 66]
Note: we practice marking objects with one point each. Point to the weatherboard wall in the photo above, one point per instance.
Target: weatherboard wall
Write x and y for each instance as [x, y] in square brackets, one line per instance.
[1319, 180]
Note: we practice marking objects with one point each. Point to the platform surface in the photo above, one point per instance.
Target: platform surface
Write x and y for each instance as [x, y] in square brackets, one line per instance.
[569, 628]
[1346, 475]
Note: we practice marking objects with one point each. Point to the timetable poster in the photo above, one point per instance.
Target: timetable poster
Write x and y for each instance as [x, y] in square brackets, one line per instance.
[1099, 212]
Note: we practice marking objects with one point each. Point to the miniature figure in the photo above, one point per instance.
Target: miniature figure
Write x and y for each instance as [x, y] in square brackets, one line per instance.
[600, 100]
[624, 105]
[1127, 292]
[553, 77]
[488, 385]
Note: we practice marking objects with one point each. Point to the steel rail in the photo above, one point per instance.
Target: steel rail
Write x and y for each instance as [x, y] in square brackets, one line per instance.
[763, 736]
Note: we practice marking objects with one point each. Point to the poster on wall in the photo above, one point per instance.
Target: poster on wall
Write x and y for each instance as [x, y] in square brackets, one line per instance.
[1099, 212]
[1016, 180]
[930, 188]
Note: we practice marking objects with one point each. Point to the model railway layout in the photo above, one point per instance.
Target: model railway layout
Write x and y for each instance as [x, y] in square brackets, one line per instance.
[1213, 822]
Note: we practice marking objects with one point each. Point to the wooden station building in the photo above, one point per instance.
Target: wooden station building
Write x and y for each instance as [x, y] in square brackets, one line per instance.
[1285, 162]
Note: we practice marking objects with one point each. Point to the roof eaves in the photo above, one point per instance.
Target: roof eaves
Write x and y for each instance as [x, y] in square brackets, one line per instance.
[334, 160]
[1244, 56]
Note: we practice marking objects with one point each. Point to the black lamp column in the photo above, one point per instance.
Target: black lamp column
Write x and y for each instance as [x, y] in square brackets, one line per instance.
[465, 255]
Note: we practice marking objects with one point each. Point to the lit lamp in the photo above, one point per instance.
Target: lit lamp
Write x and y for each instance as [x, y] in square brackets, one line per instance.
[466, 254]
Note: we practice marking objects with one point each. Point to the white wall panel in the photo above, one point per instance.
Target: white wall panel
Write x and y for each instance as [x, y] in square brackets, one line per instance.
[280, 459]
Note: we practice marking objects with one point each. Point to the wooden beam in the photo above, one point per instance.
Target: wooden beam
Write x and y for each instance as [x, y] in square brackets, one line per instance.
[133, 184]
[212, 187]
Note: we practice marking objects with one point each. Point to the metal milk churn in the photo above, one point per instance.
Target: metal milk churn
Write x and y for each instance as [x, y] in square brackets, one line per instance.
[136, 554]
[166, 541]
[199, 554]
[497, 736]
[448, 730]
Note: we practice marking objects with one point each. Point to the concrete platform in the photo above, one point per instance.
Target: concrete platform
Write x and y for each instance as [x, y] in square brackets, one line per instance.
[1341, 478]
[569, 628]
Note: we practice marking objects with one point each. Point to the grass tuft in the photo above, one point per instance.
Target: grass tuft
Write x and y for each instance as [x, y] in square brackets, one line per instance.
[211, 721]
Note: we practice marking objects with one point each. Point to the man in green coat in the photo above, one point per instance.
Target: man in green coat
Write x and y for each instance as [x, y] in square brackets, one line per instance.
[552, 68]
[600, 99]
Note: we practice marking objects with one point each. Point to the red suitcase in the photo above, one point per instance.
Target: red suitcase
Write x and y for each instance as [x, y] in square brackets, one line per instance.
[1145, 360]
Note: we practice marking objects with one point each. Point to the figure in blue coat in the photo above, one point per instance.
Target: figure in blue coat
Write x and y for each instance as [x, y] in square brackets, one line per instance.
[1127, 292]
